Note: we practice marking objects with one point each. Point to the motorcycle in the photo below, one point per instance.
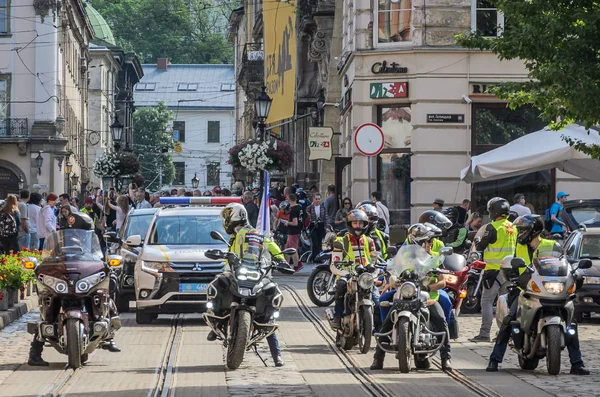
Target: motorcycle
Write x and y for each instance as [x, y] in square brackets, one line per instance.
[545, 309]
[252, 301]
[320, 284]
[411, 334]
[471, 304]
[73, 290]
[455, 288]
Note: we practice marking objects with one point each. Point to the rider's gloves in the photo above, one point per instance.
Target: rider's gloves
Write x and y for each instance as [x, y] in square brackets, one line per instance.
[360, 269]
[371, 269]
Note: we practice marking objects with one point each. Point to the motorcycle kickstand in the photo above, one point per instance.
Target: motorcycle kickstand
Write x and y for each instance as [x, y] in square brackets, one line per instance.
[259, 356]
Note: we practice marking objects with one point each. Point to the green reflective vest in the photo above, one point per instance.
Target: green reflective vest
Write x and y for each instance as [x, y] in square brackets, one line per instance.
[506, 241]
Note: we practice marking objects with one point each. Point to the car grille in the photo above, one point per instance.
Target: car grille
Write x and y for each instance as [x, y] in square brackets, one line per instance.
[198, 267]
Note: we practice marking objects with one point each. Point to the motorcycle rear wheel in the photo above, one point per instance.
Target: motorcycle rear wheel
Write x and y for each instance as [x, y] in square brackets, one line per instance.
[404, 340]
[237, 347]
[320, 280]
[553, 348]
[471, 304]
[73, 343]
[528, 364]
[366, 329]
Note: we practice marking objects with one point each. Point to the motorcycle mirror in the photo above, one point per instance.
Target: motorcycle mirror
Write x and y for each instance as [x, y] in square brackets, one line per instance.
[516, 263]
[585, 264]
[285, 270]
[214, 254]
[218, 236]
[392, 251]
[289, 251]
[446, 251]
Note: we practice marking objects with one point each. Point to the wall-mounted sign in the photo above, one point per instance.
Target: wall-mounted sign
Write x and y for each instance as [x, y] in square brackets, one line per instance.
[40, 186]
[319, 143]
[445, 118]
[481, 89]
[389, 90]
[388, 68]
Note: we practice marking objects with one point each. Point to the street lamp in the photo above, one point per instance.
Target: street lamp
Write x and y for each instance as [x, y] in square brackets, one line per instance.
[39, 160]
[68, 168]
[195, 181]
[262, 105]
[21, 183]
[75, 181]
[320, 108]
[116, 130]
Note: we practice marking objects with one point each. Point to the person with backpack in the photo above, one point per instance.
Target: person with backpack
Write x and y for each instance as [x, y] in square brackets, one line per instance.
[10, 222]
[558, 226]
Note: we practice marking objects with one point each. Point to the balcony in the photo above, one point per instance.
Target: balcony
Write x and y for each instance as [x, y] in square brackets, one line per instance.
[251, 76]
[13, 128]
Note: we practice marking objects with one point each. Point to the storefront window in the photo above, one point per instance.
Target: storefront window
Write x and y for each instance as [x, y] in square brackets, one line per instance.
[396, 126]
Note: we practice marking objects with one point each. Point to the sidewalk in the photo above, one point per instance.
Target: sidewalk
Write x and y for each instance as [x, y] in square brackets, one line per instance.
[18, 310]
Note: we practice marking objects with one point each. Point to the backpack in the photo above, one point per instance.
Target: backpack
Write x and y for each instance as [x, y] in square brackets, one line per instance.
[548, 221]
[8, 225]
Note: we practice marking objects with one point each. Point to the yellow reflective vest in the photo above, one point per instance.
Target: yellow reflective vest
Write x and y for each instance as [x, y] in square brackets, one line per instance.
[379, 236]
[238, 244]
[522, 251]
[506, 241]
[358, 255]
[436, 246]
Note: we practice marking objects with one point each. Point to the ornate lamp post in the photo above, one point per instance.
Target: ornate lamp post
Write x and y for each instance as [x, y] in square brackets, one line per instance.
[39, 161]
[116, 130]
[262, 106]
[195, 181]
[74, 182]
[21, 183]
[68, 169]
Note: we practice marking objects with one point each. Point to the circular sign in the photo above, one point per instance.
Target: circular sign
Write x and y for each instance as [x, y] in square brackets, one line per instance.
[369, 139]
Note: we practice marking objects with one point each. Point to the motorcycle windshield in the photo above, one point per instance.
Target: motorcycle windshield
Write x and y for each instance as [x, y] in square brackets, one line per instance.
[414, 258]
[254, 254]
[72, 245]
[551, 264]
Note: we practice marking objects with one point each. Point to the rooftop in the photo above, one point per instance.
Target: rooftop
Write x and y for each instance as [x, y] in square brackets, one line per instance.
[101, 29]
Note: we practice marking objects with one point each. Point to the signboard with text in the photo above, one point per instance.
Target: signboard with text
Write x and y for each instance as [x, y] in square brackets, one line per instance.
[389, 90]
[319, 143]
[445, 118]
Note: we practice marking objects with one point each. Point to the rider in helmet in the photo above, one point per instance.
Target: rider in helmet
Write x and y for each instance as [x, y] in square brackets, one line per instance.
[235, 223]
[438, 220]
[380, 238]
[531, 245]
[456, 235]
[359, 250]
[422, 235]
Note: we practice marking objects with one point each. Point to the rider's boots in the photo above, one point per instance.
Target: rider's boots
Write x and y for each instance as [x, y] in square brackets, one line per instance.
[378, 359]
[35, 354]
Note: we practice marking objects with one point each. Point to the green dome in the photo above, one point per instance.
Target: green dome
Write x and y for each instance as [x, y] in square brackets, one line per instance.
[101, 29]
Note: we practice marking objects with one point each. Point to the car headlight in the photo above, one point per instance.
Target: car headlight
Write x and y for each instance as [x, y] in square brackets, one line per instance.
[56, 284]
[591, 280]
[451, 278]
[153, 267]
[86, 283]
[366, 281]
[408, 290]
[554, 287]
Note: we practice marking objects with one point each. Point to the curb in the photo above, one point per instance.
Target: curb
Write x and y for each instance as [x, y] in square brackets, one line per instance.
[18, 310]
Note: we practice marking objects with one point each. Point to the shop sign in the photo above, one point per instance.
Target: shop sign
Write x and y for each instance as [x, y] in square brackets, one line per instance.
[482, 89]
[319, 143]
[43, 186]
[389, 90]
[385, 68]
[445, 118]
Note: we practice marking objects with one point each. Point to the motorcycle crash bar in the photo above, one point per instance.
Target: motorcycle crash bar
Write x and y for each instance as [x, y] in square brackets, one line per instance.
[205, 200]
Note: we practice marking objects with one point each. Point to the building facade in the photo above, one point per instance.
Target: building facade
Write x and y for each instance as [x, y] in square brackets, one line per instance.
[43, 95]
[202, 99]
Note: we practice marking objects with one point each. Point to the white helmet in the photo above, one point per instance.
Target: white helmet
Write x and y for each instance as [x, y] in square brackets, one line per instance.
[234, 215]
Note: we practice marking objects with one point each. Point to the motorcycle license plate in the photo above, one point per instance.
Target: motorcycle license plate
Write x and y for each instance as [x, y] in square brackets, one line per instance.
[193, 288]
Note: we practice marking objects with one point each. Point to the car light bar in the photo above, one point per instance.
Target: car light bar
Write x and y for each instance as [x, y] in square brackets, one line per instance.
[205, 200]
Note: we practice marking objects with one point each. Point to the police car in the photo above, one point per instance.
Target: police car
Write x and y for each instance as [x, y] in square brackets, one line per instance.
[172, 273]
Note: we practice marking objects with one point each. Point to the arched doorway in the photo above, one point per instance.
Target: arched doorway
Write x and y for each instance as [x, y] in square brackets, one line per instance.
[9, 182]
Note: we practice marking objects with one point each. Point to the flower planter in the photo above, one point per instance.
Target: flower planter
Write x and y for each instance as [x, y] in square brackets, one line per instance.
[3, 300]
[10, 297]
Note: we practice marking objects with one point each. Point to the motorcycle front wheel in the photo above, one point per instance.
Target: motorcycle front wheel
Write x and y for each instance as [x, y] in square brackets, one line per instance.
[317, 287]
[237, 347]
[553, 348]
[528, 364]
[471, 304]
[404, 340]
[73, 343]
[366, 329]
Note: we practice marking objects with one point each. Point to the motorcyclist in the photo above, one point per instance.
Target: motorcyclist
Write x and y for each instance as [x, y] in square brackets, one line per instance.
[423, 236]
[70, 220]
[529, 246]
[456, 235]
[235, 223]
[498, 240]
[381, 239]
[359, 249]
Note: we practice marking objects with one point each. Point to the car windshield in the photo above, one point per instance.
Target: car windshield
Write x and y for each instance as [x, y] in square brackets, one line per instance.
[589, 216]
[72, 245]
[138, 225]
[185, 229]
[590, 247]
[414, 258]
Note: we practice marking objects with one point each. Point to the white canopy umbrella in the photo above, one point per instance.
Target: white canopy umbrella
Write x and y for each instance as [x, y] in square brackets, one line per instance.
[538, 151]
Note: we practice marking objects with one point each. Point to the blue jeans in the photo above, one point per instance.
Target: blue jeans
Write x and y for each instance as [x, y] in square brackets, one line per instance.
[446, 305]
[273, 345]
[23, 241]
[34, 241]
[385, 297]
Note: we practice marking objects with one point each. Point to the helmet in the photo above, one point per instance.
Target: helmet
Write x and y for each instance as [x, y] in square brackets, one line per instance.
[372, 214]
[420, 233]
[233, 215]
[437, 219]
[528, 227]
[363, 203]
[512, 215]
[357, 215]
[452, 214]
[498, 207]
[284, 205]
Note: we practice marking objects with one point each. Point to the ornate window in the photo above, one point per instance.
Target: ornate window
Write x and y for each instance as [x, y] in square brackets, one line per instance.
[4, 17]
[394, 21]
[179, 173]
[214, 132]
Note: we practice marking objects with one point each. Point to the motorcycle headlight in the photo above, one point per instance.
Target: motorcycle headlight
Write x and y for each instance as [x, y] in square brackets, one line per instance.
[85, 284]
[408, 290]
[243, 274]
[56, 284]
[451, 278]
[554, 287]
[366, 281]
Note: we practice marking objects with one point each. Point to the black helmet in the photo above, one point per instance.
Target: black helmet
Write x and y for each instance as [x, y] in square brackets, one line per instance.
[512, 215]
[528, 227]
[498, 207]
[357, 215]
[452, 214]
[372, 214]
[419, 233]
[437, 219]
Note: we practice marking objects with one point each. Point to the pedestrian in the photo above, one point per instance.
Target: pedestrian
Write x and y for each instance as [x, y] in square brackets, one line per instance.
[217, 191]
[463, 211]
[331, 203]
[180, 192]
[251, 208]
[207, 193]
[64, 199]
[559, 227]
[319, 224]
[24, 231]
[382, 210]
[519, 205]
[46, 220]
[295, 225]
[140, 199]
[121, 209]
[10, 223]
[438, 204]
[339, 224]
[196, 193]
[498, 241]
[33, 210]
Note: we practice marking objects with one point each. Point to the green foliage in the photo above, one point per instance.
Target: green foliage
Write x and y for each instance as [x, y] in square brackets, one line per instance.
[559, 42]
[150, 135]
[185, 31]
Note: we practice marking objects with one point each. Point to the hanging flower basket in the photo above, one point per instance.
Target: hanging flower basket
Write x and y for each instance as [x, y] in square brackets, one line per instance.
[256, 155]
[111, 164]
[128, 164]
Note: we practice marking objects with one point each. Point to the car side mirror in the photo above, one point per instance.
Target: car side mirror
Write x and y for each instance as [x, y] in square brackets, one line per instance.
[392, 251]
[446, 251]
[134, 241]
[516, 263]
[218, 236]
[585, 264]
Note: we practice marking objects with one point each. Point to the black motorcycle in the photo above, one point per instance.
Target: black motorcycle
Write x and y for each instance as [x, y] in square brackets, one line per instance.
[251, 303]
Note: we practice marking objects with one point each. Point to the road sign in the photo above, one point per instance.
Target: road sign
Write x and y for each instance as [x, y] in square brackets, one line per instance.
[369, 139]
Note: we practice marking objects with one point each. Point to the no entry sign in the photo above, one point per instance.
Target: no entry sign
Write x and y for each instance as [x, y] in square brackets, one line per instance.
[369, 139]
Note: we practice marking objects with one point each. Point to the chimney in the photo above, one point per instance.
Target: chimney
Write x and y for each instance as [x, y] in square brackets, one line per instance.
[162, 63]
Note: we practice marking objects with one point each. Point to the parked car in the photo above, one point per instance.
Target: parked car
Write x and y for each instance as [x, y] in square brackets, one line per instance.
[584, 243]
[585, 212]
[137, 222]
[171, 272]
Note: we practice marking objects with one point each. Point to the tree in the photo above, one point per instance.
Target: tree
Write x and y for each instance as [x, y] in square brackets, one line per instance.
[185, 31]
[559, 42]
[150, 138]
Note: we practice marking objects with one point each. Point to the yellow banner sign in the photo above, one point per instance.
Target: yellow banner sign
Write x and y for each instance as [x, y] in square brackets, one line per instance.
[280, 57]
